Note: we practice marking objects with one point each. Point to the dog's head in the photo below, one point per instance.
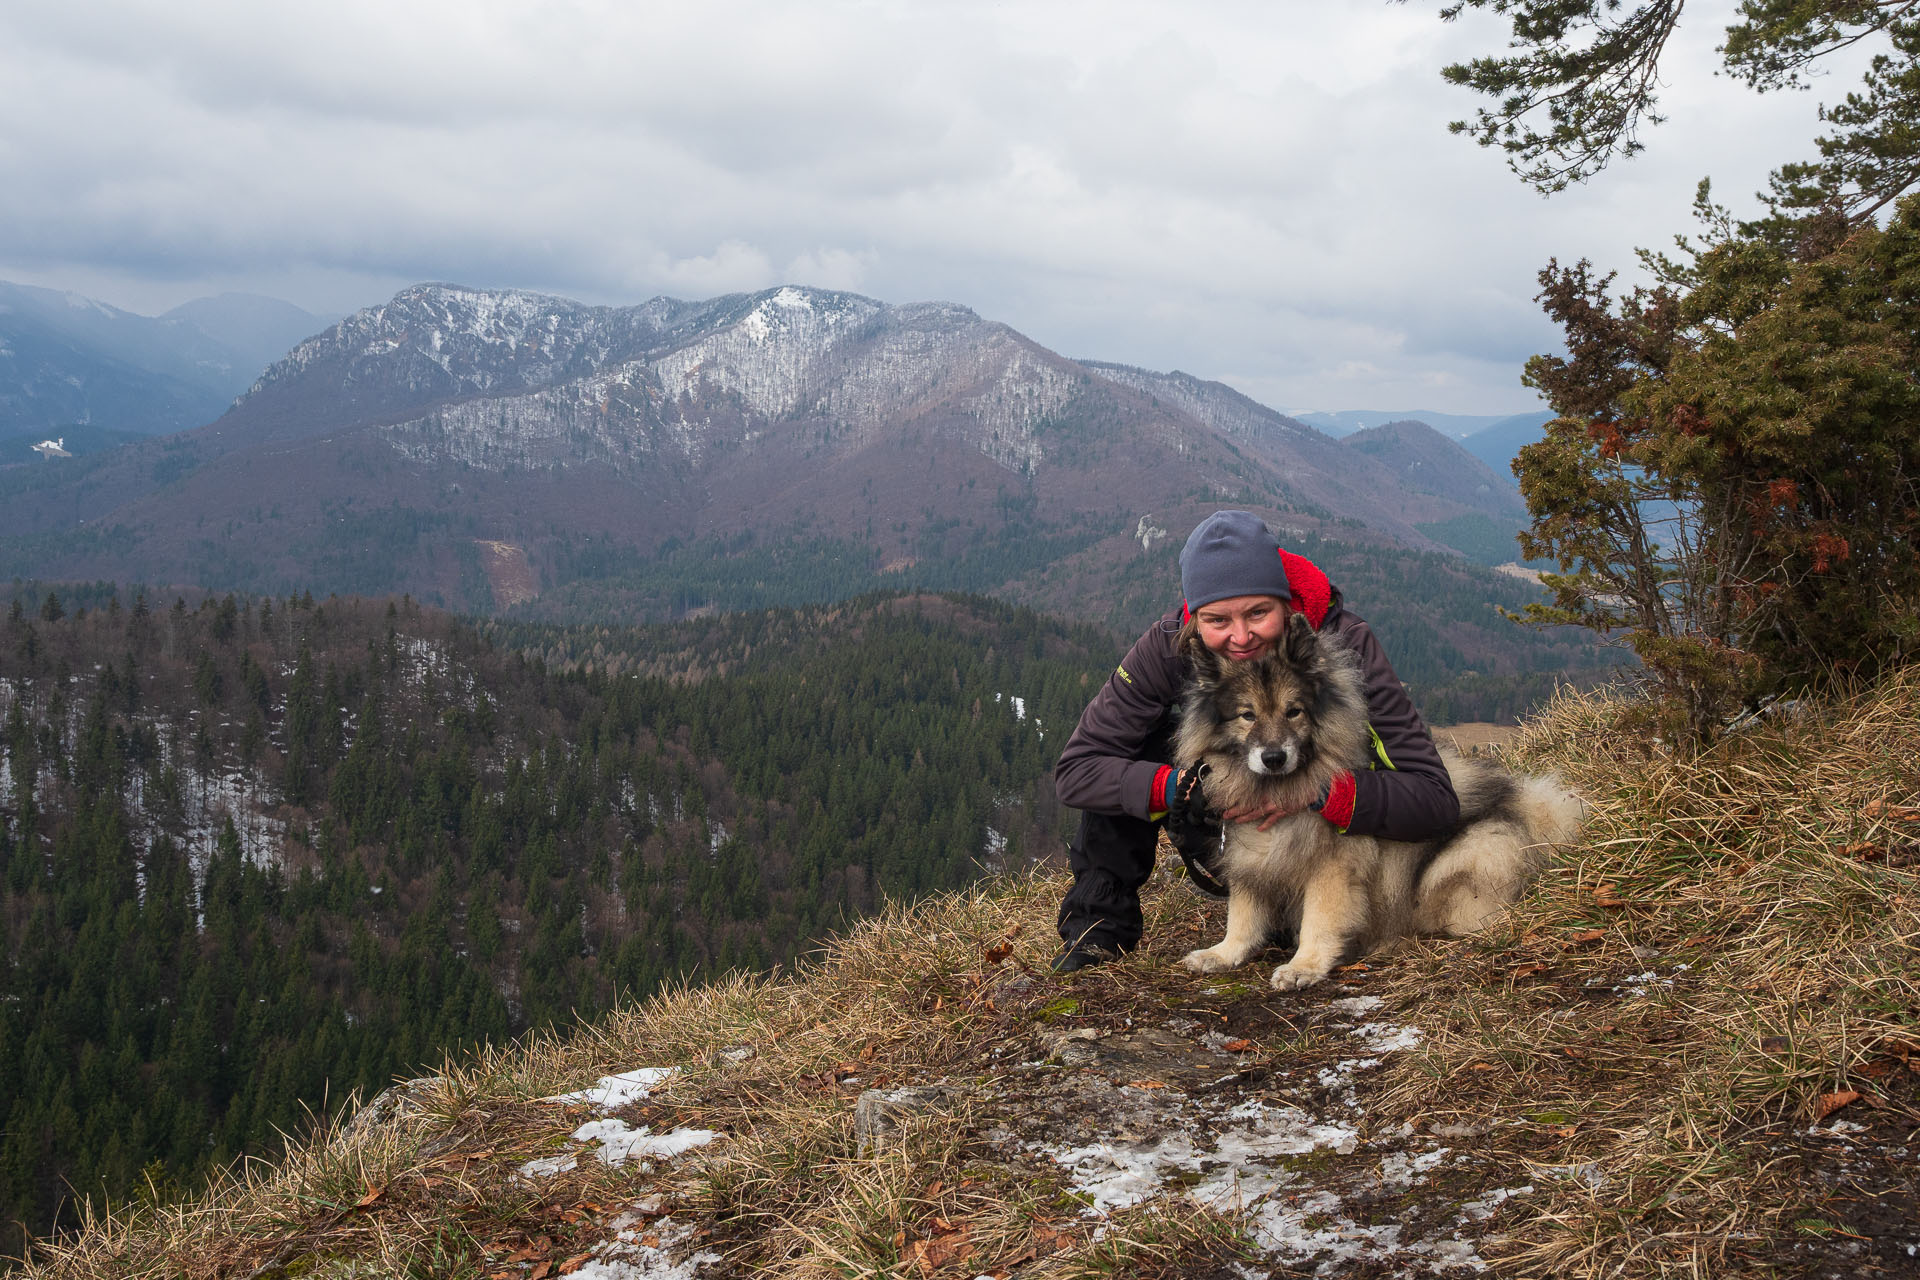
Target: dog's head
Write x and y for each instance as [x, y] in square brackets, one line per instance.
[1262, 714]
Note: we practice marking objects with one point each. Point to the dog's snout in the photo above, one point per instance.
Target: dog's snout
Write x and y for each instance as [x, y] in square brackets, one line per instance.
[1276, 759]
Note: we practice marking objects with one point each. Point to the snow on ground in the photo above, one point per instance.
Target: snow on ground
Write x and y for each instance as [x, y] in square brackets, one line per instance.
[646, 1252]
[614, 1092]
[619, 1143]
[1302, 1183]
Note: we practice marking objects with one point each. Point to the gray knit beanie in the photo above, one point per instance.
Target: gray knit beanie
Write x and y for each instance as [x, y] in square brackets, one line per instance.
[1231, 554]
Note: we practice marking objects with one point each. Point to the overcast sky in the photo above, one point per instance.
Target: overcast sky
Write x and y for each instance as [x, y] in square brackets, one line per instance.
[1264, 193]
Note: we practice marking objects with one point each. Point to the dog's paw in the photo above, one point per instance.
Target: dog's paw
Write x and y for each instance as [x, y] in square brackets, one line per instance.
[1294, 977]
[1206, 960]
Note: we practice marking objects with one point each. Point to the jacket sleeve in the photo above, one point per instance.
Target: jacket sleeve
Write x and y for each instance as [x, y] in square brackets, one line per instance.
[1100, 769]
[1407, 795]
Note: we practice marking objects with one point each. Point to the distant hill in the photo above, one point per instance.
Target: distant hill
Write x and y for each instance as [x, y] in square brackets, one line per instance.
[67, 360]
[1497, 445]
[1492, 438]
[1432, 463]
[1458, 426]
[256, 329]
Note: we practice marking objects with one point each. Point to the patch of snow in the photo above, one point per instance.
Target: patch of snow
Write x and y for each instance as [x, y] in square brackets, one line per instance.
[1399, 1170]
[547, 1166]
[1483, 1208]
[619, 1144]
[1118, 1174]
[1835, 1128]
[616, 1091]
[1355, 1005]
[641, 1253]
[1383, 1037]
[1313, 1226]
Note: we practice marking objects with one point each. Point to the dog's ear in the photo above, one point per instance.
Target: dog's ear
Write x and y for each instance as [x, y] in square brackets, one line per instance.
[1204, 661]
[1302, 644]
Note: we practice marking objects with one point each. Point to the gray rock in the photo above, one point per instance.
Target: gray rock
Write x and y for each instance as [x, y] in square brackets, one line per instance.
[404, 1098]
[880, 1113]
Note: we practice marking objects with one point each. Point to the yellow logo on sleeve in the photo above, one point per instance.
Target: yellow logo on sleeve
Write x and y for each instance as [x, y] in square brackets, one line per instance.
[1124, 675]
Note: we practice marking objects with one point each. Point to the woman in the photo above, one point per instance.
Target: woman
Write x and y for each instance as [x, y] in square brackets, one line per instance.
[1239, 586]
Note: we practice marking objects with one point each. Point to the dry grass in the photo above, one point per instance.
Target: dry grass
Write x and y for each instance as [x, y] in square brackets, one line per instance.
[1772, 867]
[1775, 870]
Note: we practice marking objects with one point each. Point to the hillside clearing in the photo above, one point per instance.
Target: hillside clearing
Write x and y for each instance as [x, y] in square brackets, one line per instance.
[1691, 1051]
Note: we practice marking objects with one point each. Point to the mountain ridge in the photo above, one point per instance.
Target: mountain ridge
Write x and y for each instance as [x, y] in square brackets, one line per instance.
[460, 416]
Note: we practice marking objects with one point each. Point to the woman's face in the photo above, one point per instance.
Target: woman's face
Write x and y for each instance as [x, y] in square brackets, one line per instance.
[1241, 627]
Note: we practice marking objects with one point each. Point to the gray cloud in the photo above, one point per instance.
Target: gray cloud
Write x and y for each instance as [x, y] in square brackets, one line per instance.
[1259, 192]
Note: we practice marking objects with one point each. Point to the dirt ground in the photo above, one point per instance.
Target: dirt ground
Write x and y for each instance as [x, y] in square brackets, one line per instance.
[1476, 737]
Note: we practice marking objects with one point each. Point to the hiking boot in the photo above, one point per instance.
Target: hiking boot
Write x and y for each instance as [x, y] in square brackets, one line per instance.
[1082, 955]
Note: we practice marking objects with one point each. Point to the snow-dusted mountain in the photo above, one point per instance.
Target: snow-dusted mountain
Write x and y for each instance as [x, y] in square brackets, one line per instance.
[404, 446]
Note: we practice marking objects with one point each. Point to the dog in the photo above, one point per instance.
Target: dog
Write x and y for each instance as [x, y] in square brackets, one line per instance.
[1276, 730]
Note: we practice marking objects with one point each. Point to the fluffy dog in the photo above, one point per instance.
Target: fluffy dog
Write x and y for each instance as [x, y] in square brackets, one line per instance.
[1276, 730]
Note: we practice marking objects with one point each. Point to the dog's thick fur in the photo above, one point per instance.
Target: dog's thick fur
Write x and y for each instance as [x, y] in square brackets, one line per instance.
[1276, 730]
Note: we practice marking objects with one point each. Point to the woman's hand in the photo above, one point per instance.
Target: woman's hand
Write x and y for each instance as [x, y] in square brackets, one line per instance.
[1266, 814]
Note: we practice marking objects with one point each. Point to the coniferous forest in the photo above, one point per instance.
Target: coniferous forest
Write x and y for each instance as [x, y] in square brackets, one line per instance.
[277, 851]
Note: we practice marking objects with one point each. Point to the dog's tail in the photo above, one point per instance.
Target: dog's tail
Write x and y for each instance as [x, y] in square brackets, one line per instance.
[1549, 812]
[1509, 825]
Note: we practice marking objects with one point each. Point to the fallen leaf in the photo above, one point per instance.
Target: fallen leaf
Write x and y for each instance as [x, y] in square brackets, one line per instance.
[1897, 1045]
[574, 1263]
[1832, 1102]
[941, 1225]
[1607, 895]
[541, 1270]
[1879, 1068]
[1773, 1044]
[1892, 812]
[651, 1240]
[373, 1193]
[866, 1054]
[1530, 968]
[1145, 1084]
[1237, 1046]
[939, 1002]
[1572, 1052]
[1047, 1240]
[931, 1255]
[1481, 1066]
[1351, 968]
[1866, 851]
[998, 951]
[1582, 938]
[933, 1188]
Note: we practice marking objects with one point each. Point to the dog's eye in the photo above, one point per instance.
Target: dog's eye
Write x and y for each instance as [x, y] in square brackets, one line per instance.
[1294, 713]
[1246, 715]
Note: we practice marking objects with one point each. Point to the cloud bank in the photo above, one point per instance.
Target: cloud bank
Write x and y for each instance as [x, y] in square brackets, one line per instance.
[1260, 192]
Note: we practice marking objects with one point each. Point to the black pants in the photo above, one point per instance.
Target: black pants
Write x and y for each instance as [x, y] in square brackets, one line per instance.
[1111, 857]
